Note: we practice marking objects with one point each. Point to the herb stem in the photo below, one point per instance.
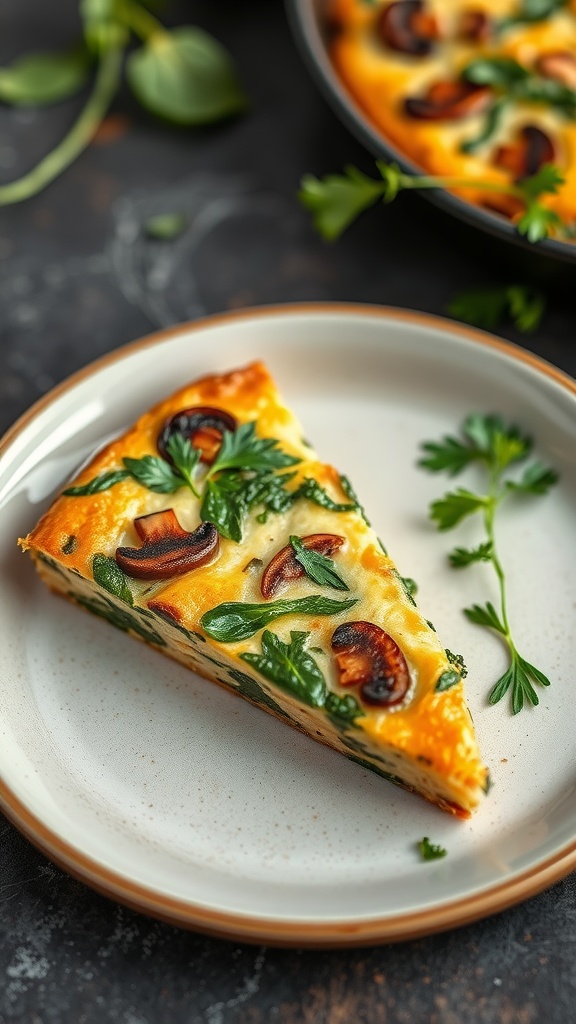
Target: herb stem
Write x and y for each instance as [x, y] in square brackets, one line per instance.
[105, 86]
[140, 21]
[431, 181]
[489, 515]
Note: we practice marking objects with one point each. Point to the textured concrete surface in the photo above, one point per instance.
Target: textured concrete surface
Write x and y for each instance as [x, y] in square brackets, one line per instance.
[78, 280]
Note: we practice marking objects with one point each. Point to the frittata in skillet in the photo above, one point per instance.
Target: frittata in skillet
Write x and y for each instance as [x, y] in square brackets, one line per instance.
[482, 89]
[211, 531]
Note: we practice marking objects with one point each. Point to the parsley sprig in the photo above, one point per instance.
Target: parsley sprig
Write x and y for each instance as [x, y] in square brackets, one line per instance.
[430, 851]
[487, 441]
[336, 200]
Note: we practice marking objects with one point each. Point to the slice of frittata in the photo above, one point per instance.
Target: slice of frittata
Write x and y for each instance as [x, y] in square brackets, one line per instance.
[211, 531]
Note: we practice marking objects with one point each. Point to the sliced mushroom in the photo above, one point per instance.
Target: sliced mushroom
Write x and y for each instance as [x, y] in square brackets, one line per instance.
[408, 27]
[527, 154]
[449, 101]
[165, 610]
[475, 26]
[167, 549]
[285, 566]
[369, 658]
[202, 425]
[560, 65]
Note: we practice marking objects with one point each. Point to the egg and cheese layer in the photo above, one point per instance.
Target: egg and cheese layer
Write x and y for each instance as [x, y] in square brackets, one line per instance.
[426, 743]
[381, 79]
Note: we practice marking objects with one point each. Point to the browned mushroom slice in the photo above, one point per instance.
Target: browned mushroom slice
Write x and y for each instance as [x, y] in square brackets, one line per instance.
[559, 65]
[165, 610]
[167, 549]
[203, 426]
[475, 26]
[450, 101]
[527, 154]
[285, 566]
[369, 658]
[408, 27]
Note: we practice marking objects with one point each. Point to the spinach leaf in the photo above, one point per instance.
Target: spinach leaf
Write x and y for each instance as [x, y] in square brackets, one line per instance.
[235, 620]
[290, 666]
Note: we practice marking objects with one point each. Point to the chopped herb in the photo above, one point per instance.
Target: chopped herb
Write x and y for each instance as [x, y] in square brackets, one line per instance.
[458, 661]
[69, 546]
[313, 491]
[447, 680]
[530, 11]
[497, 447]
[430, 851]
[235, 620]
[317, 567]
[342, 710]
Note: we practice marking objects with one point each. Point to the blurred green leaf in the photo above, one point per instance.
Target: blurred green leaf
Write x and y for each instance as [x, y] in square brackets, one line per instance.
[39, 79]
[185, 76]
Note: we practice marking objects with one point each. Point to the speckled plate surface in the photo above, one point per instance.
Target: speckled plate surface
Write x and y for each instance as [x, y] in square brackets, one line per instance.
[173, 796]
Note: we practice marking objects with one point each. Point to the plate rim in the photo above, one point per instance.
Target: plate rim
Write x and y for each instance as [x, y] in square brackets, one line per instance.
[251, 928]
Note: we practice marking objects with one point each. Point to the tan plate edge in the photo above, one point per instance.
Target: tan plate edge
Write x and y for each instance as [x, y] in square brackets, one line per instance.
[248, 928]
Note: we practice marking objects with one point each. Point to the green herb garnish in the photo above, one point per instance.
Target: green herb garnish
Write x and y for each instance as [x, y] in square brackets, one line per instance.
[99, 483]
[235, 620]
[165, 227]
[530, 11]
[487, 307]
[290, 666]
[182, 75]
[336, 200]
[317, 567]
[430, 851]
[513, 83]
[497, 448]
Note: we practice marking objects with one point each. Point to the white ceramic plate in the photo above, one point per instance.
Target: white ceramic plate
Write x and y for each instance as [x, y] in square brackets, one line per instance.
[173, 796]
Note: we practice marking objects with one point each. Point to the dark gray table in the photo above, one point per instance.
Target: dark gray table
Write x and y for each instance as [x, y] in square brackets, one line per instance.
[77, 280]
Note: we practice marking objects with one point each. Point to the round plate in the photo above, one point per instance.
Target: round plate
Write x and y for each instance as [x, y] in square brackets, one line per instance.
[307, 20]
[171, 795]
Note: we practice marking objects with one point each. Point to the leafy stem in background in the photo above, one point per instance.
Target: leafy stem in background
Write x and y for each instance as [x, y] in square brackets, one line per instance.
[182, 75]
[487, 307]
[336, 200]
[488, 442]
[106, 84]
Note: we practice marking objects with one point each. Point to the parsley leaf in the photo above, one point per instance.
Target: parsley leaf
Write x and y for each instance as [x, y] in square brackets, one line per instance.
[430, 851]
[290, 666]
[235, 620]
[242, 449]
[154, 473]
[455, 506]
[185, 458]
[336, 200]
[487, 307]
[498, 447]
[318, 567]
[461, 557]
